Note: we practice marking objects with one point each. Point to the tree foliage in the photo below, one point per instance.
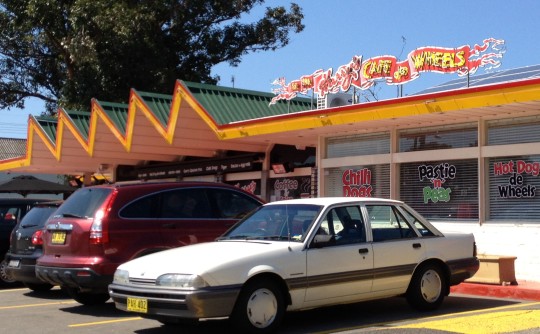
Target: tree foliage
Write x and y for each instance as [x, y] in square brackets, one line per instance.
[66, 52]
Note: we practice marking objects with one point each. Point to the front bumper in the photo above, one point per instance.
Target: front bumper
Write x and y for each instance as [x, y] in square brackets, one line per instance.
[164, 302]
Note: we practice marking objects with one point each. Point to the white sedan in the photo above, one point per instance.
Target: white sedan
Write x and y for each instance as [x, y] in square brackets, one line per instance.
[299, 254]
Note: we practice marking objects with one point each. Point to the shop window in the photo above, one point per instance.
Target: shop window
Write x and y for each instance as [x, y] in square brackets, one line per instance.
[514, 188]
[348, 146]
[358, 181]
[444, 137]
[443, 190]
[514, 131]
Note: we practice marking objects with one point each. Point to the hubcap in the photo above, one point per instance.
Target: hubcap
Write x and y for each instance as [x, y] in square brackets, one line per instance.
[262, 308]
[3, 273]
[431, 286]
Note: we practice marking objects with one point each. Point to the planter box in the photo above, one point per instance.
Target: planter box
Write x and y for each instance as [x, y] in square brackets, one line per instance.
[495, 269]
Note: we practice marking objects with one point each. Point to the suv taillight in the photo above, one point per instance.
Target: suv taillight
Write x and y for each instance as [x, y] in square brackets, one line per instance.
[99, 232]
[37, 238]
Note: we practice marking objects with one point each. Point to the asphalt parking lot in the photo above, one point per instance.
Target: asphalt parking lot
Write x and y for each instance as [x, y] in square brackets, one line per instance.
[24, 311]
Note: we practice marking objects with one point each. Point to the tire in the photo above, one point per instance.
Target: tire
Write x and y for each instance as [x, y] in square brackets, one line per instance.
[427, 288]
[5, 278]
[87, 298]
[260, 307]
[38, 287]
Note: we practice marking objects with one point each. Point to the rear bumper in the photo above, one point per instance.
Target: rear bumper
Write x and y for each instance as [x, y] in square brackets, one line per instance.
[463, 269]
[81, 278]
[23, 267]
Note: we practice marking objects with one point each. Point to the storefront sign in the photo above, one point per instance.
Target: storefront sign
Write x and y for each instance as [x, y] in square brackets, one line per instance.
[251, 186]
[230, 165]
[290, 187]
[437, 175]
[363, 74]
[357, 183]
[516, 187]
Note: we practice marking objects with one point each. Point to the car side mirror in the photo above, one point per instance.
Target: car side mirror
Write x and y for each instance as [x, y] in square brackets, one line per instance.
[322, 240]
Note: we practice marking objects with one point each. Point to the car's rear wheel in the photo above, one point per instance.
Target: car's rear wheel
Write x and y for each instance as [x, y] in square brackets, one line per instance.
[427, 288]
[38, 287]
[260, 307]
[5, 278]
[87, 298]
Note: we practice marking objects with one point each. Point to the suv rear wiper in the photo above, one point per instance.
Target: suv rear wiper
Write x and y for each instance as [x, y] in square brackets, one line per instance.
[72, 215]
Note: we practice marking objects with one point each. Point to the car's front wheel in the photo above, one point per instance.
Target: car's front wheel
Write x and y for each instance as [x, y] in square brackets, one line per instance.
[87, 298]
[260, 307]
[427, 288]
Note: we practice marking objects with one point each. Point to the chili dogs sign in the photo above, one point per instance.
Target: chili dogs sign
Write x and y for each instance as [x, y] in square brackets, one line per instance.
[362, 74]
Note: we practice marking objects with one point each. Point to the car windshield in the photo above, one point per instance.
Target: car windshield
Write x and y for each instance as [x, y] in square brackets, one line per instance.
[289, 222]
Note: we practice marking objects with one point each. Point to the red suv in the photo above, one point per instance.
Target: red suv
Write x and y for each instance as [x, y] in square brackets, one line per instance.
[98, 228]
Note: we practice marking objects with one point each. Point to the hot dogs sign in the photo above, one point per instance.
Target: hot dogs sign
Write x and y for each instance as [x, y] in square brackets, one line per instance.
[362, 74]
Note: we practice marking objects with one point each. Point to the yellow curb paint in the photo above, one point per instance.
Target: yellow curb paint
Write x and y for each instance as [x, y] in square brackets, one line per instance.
[492, 322]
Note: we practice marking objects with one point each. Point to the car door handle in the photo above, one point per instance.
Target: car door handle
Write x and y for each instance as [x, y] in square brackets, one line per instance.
[416, 245]
[170, 225]
[363, 250]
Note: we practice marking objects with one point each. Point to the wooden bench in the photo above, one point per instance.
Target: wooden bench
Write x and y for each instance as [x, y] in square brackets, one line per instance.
[495, 269]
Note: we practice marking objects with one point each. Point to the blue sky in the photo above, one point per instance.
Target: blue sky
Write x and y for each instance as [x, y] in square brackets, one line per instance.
[340, 29]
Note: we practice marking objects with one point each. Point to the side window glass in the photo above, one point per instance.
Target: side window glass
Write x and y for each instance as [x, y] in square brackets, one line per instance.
[231, 204]
[418, 224]
[145, 207]
[186, 203]
[345, 224]
[388, 224]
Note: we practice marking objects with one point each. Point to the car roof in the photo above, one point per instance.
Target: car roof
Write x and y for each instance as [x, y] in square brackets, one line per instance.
[326, 201]
[12, 201]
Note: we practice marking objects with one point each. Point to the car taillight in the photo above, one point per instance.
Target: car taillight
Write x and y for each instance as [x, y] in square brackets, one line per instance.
[99, 232]
[37, 238]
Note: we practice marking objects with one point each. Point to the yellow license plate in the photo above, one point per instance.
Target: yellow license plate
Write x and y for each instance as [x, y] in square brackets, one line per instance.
[59, 237]
[137, 305]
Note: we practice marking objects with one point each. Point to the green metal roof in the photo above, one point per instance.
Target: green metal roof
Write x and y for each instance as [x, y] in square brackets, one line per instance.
[228, 105]
[224, 104]
[159, 104]
[117, 113]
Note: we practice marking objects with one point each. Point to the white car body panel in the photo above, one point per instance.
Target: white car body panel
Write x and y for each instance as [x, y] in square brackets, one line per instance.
[310, 274]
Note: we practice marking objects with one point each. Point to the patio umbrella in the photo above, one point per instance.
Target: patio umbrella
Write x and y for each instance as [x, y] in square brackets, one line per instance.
[28, 184]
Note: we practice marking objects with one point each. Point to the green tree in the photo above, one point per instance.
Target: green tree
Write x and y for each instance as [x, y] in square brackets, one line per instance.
[66, 52]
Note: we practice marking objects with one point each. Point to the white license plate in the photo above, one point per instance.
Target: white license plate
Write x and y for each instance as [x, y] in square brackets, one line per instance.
[14, 263]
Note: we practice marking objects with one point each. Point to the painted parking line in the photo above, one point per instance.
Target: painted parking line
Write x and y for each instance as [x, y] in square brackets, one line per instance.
[35, 305]
[95, 323]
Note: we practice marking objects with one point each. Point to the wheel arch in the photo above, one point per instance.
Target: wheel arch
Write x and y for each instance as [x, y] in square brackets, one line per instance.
[442, 265]
[276, 279]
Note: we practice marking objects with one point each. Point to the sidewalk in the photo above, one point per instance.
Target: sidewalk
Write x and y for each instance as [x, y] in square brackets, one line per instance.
[525, 290]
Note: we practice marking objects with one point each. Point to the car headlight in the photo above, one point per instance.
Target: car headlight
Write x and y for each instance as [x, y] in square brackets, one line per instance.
[181, 281]
[121, 276]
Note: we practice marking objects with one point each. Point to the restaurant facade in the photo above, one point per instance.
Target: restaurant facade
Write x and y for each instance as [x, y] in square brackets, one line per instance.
[466, 155]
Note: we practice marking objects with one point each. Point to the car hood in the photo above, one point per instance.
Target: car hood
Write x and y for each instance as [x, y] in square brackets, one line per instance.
[221, 262]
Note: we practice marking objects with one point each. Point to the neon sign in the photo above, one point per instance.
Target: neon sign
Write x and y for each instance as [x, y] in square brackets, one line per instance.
[363, 74]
